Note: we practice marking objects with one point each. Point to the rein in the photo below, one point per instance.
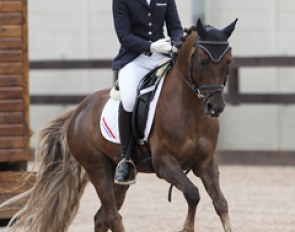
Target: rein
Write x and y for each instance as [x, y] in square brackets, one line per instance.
[190, 83]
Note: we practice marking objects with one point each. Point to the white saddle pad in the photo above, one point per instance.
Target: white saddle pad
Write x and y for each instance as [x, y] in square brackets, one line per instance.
[109, 117]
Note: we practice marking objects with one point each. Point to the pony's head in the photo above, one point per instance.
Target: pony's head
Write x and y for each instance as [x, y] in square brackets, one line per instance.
[209, 65]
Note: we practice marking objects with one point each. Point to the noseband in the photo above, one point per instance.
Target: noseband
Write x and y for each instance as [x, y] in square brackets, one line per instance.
[215, 56]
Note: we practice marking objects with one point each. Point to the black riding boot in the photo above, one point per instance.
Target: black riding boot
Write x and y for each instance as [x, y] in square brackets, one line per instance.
[125, 171]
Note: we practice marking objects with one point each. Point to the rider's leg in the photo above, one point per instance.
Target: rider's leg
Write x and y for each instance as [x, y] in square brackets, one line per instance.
[129, 78]
[123, 173]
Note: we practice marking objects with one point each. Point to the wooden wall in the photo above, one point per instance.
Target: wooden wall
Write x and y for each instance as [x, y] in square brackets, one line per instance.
[14, 96]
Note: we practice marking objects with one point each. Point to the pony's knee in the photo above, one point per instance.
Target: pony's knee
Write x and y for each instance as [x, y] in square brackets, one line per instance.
[221, 206]
[192, 196]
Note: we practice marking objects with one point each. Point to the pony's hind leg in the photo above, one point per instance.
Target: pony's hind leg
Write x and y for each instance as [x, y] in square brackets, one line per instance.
[209, 175]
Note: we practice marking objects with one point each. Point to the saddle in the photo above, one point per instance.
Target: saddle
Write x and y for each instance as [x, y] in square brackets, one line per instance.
[145, 94]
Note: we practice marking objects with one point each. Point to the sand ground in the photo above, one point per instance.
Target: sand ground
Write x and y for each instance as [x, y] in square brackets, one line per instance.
[261, 199]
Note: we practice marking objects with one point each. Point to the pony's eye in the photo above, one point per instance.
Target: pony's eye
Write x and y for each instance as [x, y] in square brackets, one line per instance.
[229, 62]
[203, 62]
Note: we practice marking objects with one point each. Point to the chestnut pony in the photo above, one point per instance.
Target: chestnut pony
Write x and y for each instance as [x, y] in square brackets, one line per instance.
[72, 150]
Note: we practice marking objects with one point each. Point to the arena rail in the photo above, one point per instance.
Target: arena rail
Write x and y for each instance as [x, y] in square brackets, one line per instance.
[65, 65]
[233, 96]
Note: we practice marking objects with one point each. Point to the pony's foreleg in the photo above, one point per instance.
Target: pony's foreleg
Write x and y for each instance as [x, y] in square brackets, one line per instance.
[101, 174]
[209, 174]
[167, 168]
[120, 192]
[99, 221]
[108, 215]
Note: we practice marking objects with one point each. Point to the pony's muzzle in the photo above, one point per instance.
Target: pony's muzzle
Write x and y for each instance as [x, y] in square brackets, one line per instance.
[213, 111]
[214, 105]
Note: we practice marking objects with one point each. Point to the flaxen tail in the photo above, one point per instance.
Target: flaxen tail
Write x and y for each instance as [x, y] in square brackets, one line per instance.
[53, 201]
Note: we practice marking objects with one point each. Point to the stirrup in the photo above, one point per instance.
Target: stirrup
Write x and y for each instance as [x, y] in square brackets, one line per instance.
[132, 173]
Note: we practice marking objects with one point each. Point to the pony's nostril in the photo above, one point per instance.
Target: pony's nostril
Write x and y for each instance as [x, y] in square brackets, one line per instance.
[210, 108]
[213, 110]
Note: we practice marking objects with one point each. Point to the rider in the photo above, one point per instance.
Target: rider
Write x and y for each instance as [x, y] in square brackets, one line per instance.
[139, 25]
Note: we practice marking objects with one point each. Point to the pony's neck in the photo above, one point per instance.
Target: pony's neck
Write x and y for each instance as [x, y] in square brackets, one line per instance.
[183, 67]
[177, 89]
[182, 60]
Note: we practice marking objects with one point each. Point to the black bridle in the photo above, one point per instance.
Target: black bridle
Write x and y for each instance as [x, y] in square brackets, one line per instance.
[192, 82]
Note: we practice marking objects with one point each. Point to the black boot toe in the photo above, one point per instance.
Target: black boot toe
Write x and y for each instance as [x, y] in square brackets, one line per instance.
[125, 173]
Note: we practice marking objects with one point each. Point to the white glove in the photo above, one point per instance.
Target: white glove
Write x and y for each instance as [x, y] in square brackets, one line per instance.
[161, 46]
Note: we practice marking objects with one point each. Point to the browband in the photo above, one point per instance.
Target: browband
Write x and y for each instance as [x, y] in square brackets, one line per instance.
[215, 49]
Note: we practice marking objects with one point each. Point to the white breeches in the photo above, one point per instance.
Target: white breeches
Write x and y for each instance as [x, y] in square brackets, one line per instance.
[132, 73]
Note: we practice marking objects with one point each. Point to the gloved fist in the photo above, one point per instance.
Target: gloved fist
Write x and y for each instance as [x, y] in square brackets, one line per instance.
[161, 46]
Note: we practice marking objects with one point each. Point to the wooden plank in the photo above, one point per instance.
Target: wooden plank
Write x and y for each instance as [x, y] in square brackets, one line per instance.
[11, 19]
[5, 188]
[16, 182]
[10, 80]
[11, 142]
[10, 56]
[10, 31]
[12, 155]
[11, 93]
[11, 130]
[5, 196]
[11, 6]
[14, 94]
[11, 68]
[8, 213]
[11, 43]
[11, 184]
[13, 177]
[8, 189]
[11, 117]
[11, 105]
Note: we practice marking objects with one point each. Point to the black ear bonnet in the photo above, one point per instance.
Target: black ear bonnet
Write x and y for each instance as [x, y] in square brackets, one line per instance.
[214, 41]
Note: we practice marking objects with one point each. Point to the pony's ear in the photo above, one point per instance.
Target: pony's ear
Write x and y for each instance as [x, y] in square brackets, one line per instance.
[229, 29]
[200, 28]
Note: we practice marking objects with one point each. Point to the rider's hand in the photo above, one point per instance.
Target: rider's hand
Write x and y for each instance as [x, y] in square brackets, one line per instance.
[161, 46]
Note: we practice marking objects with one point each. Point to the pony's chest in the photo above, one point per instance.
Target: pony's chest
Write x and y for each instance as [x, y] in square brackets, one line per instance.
[204, 146]
[195, 150]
